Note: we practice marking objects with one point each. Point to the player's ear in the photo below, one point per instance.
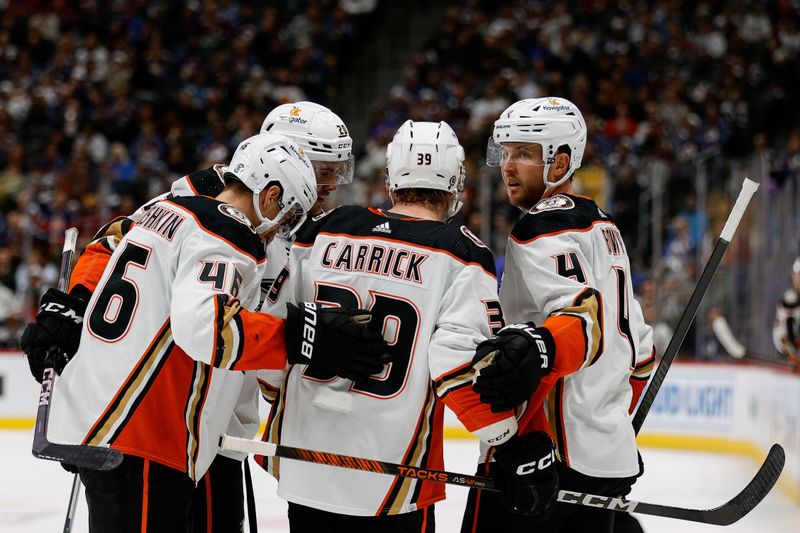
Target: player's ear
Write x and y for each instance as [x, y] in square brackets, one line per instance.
[560, 166]
[268, 200]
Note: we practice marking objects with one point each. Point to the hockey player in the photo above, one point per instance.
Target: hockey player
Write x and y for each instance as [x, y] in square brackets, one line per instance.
[578, 352]
[786, 328]
[324, 138]
[432, 290]
[147, 381]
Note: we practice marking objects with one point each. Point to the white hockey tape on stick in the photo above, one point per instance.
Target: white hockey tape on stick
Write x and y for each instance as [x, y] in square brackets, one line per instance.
[237, 444]
[749, 188]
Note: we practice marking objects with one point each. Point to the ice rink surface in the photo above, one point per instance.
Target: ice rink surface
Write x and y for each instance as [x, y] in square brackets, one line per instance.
[34, 493]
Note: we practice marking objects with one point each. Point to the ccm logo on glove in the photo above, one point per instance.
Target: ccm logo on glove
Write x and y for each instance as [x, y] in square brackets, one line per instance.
[63, 310]
[538, 464]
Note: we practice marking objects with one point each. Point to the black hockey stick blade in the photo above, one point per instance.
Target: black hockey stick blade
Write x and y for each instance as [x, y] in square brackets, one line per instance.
[724, 515]
[94, 457]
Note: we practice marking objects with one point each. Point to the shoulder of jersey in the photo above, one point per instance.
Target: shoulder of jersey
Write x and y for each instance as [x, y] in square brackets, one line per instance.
[224, 221]
[559, 213]
[361, 222]
[207, 182]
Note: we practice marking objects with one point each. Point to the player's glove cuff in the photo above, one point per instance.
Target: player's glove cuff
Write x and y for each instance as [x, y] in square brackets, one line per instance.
[497, 433]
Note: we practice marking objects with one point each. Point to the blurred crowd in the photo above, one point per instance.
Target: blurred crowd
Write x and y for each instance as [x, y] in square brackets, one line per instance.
[103, 103]
[663, 85]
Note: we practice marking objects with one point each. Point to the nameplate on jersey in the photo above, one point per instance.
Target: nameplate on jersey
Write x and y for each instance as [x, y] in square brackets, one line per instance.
[161, 221]
[383, 260]
[553, 203]
[230, 211]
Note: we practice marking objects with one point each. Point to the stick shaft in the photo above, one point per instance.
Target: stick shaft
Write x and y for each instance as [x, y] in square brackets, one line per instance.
[725, 514]
[748, 188]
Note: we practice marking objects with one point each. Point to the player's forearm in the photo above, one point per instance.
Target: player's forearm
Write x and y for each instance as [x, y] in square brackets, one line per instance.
[577, 332]
[477, 417]
[262, 344]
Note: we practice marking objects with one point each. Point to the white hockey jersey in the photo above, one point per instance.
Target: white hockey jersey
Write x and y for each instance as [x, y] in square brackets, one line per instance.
[94, 259]
[432, 291]
[567, 270]
[158, 373]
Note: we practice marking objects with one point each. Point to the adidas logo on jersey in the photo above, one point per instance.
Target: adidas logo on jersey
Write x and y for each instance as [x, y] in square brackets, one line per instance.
[382, 228]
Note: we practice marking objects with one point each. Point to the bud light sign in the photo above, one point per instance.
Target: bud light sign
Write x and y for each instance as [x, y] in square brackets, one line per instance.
[699, 404]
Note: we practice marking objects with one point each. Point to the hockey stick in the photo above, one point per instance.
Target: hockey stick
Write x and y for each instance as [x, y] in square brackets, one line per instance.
[92, 457]
[725, 514]
[748, 189]
[73, 503]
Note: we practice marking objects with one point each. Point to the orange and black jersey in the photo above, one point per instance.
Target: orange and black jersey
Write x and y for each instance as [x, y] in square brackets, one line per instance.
[567, 270]
[166, 335]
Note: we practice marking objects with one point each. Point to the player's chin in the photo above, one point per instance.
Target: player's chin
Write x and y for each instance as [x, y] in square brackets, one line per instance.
[517, 197]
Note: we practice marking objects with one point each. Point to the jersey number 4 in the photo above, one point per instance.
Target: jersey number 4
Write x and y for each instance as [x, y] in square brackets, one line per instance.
[398, 320]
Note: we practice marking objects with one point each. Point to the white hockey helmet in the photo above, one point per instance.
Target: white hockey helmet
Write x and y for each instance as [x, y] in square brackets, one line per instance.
[426, 155]
[549, 122]
[320, 132]
[264, 160]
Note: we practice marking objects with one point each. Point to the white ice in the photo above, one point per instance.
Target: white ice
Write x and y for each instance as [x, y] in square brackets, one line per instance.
[34, 493]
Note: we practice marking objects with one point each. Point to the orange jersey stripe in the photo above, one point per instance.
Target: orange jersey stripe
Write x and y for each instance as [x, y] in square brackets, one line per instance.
[215, 235]
[570, 338]
[145, 493]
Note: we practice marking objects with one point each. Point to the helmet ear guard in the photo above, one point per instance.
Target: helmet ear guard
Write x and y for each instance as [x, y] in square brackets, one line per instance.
[265, 160]
[426, 155]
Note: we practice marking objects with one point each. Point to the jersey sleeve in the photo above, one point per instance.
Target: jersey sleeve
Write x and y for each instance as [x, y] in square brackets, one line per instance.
[468, 314]
[92, 263]
[562, 289]
[211, 325]
[645, 356]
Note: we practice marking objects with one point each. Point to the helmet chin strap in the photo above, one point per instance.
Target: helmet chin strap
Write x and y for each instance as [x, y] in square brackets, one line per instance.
[266, 223]
[550, 185]
[455, 206]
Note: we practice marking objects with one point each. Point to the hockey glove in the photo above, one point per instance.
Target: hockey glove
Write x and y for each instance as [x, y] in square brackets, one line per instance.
[334, 339]
[510, 366]
[54, 337]
[526, 473]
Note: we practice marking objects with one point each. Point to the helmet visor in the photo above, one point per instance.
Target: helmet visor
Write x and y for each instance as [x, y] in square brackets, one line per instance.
[498, 154]
[334, 172]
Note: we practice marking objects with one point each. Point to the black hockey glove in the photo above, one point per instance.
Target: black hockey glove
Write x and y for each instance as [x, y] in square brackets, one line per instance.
[54, 337]
[526, 473]
[511, 365]
[334, 339]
